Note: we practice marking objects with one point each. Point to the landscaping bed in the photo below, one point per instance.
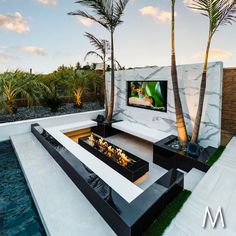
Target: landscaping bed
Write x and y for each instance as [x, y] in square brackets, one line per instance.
[26, 113]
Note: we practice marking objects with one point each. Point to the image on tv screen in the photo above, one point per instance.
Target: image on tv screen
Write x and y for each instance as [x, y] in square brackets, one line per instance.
[148, 94]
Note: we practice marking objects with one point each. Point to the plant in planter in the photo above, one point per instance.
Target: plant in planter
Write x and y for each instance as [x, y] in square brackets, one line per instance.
[108, 14]
[219, 13]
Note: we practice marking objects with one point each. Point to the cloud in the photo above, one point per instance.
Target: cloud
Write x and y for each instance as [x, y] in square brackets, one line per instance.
[85, 21]
[214, 54]
[48, 2]
[15, 22]
[156, 13]
[35, 50]
[3, 57]
[188, 2]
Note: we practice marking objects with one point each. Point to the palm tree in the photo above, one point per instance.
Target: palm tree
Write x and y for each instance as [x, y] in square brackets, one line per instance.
[102, 47]
[18, 83]
[108, 14]
[181, 127]
[219, 13]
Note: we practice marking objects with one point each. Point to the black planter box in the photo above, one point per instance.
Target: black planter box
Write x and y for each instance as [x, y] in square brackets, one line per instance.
[126, 219]
[168, 158]
[131, 172]
[105, 129]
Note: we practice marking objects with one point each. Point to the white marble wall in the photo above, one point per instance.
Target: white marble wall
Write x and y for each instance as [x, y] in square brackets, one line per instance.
[189, 83]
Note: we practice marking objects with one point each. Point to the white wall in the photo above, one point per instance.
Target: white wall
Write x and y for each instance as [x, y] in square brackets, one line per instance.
[20, 127]
[189, 84]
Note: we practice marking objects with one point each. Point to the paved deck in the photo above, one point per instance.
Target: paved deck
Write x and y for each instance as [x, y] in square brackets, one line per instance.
[63, 209]
[217, 188]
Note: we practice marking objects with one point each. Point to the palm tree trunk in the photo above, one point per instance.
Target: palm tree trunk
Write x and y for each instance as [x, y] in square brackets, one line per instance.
[112, 88]
[104, 87]
[181, 128]
[198, 118]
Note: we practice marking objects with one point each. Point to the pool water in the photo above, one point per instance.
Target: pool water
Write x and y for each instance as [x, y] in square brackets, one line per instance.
[18, 214]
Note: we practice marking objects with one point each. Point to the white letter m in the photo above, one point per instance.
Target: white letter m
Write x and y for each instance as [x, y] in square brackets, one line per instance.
[219, 214]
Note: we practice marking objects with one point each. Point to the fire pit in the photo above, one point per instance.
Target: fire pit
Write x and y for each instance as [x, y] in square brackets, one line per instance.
[127, 164]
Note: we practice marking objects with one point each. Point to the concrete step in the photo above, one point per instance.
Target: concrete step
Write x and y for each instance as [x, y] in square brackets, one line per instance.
[63, 209]
[192, 178]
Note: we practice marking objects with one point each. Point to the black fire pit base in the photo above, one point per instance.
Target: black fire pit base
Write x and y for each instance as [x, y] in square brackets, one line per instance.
[132, 172]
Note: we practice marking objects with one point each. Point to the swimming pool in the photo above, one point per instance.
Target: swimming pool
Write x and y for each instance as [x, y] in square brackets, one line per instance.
[18, 214]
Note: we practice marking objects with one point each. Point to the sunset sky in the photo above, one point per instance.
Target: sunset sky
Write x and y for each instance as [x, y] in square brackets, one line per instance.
[39, 34]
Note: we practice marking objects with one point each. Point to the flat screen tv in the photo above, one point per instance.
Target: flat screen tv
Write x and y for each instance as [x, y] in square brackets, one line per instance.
[148, 94]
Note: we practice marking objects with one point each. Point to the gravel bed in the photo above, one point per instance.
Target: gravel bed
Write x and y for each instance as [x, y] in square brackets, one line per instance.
[26, 113]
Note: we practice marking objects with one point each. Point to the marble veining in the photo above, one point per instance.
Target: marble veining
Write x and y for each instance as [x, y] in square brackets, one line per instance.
[189, 86]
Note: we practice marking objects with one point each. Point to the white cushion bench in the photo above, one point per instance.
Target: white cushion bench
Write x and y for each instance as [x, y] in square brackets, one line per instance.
[141, 131]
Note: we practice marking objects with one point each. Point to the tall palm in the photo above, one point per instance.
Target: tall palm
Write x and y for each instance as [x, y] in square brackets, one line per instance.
[219, 13]
[102, 46]
[181, 127]
[108, 14]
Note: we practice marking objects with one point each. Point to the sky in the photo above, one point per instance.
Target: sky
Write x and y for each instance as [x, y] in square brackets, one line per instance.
[39, 34]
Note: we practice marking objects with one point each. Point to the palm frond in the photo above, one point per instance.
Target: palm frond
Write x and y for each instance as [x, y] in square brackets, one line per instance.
[219, 12]
[92, 53]
[94, 41]
[106, 12]
[119, 7]
[100, 45]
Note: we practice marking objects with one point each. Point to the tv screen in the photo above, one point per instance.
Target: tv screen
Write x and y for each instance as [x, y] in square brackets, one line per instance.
[148, 94]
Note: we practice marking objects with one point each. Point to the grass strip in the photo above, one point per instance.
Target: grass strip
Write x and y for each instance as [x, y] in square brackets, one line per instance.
[168, 214]
[215, 156]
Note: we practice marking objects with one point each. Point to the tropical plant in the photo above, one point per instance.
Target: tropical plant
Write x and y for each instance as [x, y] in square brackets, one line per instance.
[102, 46]
[56, 83]
[181, 127]
[18, 84]
[108, 14]
[219, 13]
[79, 83]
